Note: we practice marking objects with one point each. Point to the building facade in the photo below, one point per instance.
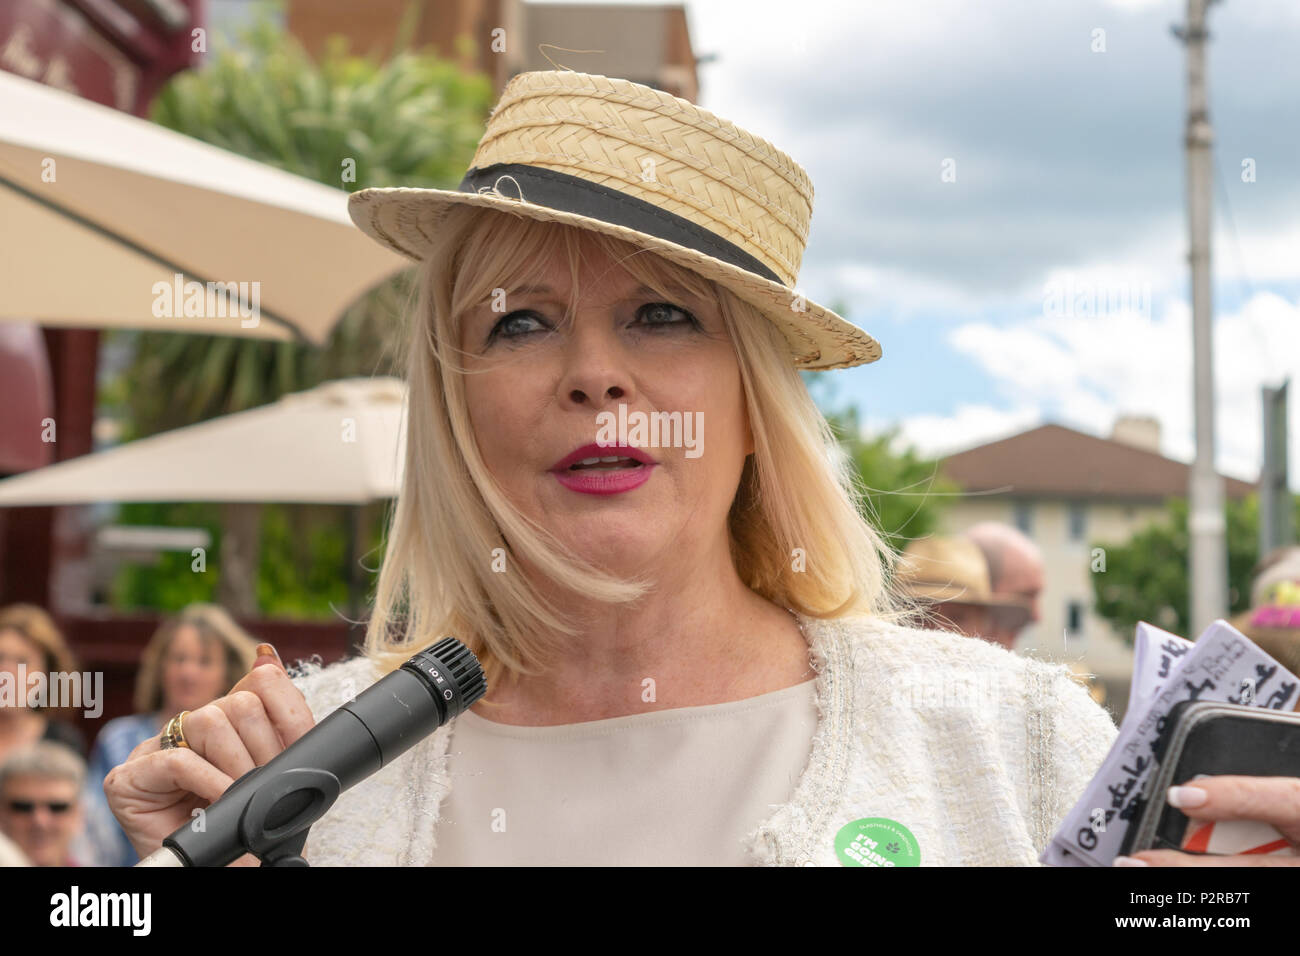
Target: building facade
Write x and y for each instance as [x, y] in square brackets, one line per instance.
[1073, 494]
[645, 43]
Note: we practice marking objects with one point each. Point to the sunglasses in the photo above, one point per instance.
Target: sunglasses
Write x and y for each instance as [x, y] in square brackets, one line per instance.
[29, 806]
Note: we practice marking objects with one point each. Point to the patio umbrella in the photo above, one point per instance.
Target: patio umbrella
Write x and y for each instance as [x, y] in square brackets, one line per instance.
[102, 212]
[339, 443]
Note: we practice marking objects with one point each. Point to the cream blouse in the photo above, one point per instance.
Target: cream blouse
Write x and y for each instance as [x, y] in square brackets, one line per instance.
[978, 752]
[679, 787]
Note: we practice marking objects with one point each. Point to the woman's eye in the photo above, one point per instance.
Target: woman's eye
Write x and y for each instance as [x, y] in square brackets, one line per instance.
[517, 324]
[662, 313]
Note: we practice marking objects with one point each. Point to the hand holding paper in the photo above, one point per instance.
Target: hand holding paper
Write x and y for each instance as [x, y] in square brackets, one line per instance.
[1224, 666]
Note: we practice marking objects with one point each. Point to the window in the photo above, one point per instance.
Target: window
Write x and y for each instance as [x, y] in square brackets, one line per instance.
[1025, 517]
[1074, 616]
[1078, 520]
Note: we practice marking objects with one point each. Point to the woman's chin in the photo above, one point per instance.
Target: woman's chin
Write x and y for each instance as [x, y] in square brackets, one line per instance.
[624, 552]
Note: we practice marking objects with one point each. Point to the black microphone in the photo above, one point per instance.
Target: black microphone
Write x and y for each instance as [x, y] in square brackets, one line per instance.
[268, 810]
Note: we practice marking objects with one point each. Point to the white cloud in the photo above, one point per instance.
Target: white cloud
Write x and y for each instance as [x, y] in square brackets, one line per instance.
[1083, 371]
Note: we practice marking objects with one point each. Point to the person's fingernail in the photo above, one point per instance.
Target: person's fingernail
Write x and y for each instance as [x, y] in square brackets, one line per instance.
[266, 654]
[1187, 797]
[1129, 861]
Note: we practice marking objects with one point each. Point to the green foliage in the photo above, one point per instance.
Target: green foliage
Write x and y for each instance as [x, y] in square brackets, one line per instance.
[1146, 578]
[171, 583]
[904, 492]
[412, 120]
[303, 571]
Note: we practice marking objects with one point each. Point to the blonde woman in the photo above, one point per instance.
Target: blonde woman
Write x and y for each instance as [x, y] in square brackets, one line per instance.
[690, 646]
[32, 652]
[192, 659]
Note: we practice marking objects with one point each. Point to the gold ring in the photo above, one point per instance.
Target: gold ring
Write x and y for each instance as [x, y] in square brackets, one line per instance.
[173, 734]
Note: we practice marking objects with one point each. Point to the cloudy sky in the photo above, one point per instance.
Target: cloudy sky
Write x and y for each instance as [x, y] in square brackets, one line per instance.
[1069, 177]
[1063, 121]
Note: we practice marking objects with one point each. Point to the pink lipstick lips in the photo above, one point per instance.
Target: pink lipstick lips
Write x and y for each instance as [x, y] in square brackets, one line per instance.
[604, 469]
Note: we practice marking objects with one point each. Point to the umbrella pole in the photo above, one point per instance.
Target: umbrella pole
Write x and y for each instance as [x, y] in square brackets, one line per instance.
[240, 544]
[355, 535]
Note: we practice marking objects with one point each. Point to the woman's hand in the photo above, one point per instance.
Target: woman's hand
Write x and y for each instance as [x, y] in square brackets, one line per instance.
[1272, 800]
[155, 791]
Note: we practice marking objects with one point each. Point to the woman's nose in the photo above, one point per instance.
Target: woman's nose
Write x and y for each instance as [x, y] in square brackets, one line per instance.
[595, 373]
[584, 395]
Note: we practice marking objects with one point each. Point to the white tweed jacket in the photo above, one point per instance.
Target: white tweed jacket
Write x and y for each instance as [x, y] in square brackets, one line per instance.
[978, 751]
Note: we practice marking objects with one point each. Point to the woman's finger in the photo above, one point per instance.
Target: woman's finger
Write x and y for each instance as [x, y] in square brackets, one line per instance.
[248, 716]
[284, 703]
[212, 736]
[1272, 800]
[1176, 858]
[177, 771]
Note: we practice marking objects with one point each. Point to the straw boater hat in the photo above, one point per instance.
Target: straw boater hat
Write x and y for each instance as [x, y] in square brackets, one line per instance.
[943, 569]
[640, 165]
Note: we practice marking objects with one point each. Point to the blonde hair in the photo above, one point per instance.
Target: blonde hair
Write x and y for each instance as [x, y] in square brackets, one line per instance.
[796, 491]
[213, 624]
[34, 624]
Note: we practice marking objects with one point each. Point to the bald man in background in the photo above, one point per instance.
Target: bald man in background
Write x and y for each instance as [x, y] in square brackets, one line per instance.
[1015, 571]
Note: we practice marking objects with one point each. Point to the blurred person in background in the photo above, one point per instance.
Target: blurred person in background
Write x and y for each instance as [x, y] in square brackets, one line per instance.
[953, 575]
[1279, 565]
[949, 576]
[1016, 577]
[40, 802]
[11, 854]
[31, 644]
[1015, 568]
[193, 658]
[1273, 620]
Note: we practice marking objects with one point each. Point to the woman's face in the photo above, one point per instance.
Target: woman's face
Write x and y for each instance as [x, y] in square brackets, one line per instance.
[20, 654]
[544, 391]
[194, 671]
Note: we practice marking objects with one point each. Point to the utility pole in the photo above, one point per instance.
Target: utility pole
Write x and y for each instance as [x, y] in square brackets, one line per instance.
[1206, 525]
[1275, 505]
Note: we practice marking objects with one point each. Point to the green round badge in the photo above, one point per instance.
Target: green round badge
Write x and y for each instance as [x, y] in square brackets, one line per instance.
[876, 841]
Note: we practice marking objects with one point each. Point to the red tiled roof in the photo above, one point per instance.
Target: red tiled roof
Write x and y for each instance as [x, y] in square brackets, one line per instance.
[1055, 461]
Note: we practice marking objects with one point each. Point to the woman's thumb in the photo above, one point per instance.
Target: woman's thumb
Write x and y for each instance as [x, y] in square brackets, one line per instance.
[267, 654]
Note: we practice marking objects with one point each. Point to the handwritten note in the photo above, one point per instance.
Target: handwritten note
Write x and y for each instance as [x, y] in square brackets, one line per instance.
[1223, 665]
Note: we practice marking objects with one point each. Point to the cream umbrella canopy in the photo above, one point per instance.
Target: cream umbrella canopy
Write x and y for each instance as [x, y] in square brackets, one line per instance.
[339, 443]
[102, 211]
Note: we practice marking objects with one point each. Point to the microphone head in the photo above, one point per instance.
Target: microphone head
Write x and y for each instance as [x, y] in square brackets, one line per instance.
[453, 674]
